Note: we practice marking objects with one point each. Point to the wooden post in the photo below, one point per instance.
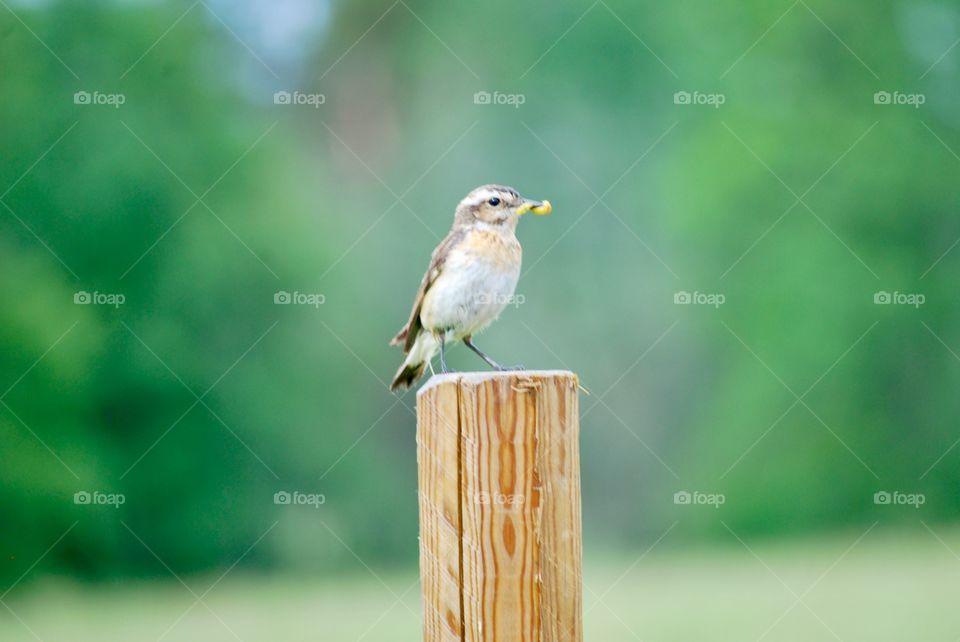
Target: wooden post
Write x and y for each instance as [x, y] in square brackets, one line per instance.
[500, 539]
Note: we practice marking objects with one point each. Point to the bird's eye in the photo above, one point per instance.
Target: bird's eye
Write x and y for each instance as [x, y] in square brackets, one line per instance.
[494, 201]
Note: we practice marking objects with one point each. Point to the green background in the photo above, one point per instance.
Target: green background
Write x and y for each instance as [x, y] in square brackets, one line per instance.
[798, 199]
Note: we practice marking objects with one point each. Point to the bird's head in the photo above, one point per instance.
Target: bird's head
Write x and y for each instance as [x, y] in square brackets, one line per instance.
[497, 205]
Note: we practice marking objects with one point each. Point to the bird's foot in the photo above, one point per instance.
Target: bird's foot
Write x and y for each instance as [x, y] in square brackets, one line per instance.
[443, 356]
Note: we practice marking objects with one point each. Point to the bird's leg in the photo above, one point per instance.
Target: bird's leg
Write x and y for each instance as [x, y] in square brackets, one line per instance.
[443, 360]
[468, 341]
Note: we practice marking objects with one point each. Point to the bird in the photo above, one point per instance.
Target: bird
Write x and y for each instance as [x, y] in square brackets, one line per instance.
[470, 280]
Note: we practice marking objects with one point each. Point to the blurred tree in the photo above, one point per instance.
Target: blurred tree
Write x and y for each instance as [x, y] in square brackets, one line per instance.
[198, 199]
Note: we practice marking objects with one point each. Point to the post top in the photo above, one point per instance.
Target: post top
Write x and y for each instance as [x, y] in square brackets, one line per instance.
[479, 377]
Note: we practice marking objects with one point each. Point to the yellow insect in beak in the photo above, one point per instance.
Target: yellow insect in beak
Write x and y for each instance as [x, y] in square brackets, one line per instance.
[540, 208]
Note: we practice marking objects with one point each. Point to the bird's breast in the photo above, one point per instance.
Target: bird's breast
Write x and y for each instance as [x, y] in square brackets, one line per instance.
[478, 280]
[500, 250]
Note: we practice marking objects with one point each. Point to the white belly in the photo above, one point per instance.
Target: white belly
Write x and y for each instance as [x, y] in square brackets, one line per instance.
[469, 294]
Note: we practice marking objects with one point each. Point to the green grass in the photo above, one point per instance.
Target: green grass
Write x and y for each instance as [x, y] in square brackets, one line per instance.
[888, 587]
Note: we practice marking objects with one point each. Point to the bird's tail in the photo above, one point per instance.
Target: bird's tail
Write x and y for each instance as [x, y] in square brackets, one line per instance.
[412, 368]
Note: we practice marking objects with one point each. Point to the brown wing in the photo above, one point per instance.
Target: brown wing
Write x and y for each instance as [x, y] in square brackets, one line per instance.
[408, 334]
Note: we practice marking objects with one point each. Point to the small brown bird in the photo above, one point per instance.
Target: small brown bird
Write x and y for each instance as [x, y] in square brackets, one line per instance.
[472, 276]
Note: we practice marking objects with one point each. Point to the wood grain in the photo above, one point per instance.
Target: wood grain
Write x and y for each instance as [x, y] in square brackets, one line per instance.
[438, 456]
[503, 447]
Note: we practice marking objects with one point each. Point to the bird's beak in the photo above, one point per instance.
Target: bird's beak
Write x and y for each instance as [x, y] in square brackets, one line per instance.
[540, 208]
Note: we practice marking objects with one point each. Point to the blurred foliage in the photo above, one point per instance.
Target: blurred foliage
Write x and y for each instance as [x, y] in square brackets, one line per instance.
[677, 595]
[199, 398]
